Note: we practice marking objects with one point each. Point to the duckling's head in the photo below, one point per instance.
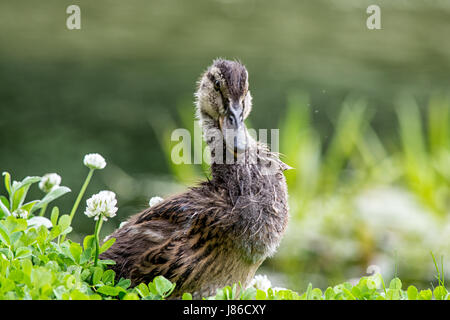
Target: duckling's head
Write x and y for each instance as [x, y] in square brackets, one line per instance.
[224, 101]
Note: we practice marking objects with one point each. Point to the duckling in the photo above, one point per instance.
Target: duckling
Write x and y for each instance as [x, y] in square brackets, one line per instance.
[219, 232]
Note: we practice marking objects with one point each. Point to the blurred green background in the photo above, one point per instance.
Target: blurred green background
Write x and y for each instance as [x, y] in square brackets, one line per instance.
[363, 115]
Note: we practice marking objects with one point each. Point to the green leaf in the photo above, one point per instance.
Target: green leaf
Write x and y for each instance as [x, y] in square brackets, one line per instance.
[309, 292]
[260, 295]
[163, 286]
[54, 216]
[287, 294]
[67, 230]
[107, 245]
[393, 294]
[41, 276]
[42, 234]
[30, 237]
[86, 255]
[371, 284]
[248, 294]
[19, 191]
[7, 182]
[4, 209]
[440, 293]
[108, 277]
[89, 242]
[5, 201]
[19, 197]
[186, 296]
[7, 253]
[59, 291]
[85, 274]
[348, 294]
[234, 290]
[396, 283]
[130, 296]
[78, 295]
[7, 284]
[55, 232]
[425, 294]
[29, 205]
[14, 224]
[124, 283]
[412, 293]
[16, 275]
[329, 293]
[142, 290]
[70, 281]
[14, 238]
[64, 222]
[316, 294]
[27, 266]
[110, 291]
[4, 235]
[26, 182]
[65, 249]
[22, 253]
[106, 262]
[55, 193]
[76, 250]
[97, 275]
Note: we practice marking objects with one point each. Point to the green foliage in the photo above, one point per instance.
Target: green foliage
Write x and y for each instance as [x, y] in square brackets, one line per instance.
[339, 178]
[159, 289]
[367, 288]
[36, 264]
[232, 293]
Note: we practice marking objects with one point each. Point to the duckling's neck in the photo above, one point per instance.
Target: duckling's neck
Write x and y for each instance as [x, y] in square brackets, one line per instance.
[256, 189]
[255, 186]
[256, 154]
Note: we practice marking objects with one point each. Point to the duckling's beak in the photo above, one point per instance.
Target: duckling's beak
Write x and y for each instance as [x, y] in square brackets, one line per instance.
[233, 129]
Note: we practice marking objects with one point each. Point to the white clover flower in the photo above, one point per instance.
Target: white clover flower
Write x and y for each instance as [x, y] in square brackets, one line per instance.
[20, 213]
[49, 181]
[261, 282]
[94, 161]
[101, 204]
[155, 200]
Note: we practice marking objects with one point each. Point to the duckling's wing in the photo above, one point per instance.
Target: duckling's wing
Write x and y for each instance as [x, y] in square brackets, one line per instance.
[166, 239]
[149, 231]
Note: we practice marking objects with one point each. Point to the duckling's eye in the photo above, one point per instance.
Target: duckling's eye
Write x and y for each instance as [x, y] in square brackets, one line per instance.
[217, 85]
